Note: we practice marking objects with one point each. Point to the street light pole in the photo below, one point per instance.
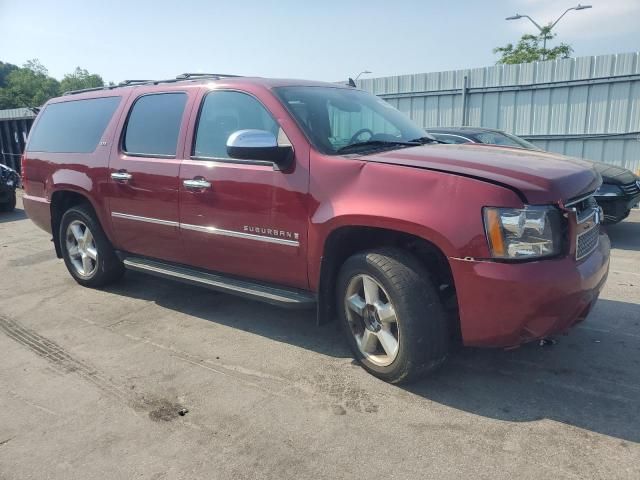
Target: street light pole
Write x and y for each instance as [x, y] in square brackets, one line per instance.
[517, 16]
[361, 73]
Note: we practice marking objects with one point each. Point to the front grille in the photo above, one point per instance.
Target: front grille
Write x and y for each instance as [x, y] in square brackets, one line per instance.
[587, 242]
[584, 208]
[631, 189]
[588, 215]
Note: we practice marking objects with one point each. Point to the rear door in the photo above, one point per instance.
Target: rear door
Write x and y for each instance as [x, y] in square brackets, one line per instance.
[243, 217]
[143, 183]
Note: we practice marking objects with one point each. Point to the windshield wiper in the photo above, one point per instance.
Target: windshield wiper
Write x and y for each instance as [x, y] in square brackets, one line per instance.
[375, 143]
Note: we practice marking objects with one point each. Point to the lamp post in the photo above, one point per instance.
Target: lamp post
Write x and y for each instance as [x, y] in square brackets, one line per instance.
[517, 16]
[361, 73]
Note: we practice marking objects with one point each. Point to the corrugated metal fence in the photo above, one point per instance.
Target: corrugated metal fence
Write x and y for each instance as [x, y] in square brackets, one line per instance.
[14, 127]
[584, 107]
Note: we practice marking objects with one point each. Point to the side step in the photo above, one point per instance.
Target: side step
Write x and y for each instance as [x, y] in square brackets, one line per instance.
[276, 295]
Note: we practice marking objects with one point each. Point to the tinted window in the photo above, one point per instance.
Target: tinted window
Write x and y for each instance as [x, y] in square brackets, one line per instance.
[222, 114]
[154, 124]
[73, 127]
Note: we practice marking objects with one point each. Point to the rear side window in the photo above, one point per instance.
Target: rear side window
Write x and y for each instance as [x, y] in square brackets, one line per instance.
[154, 125]
[72, 127]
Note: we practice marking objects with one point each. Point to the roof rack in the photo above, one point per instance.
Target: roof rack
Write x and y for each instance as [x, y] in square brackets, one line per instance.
[188, 76]
[93, 89]
[131, 83]
[125, 83]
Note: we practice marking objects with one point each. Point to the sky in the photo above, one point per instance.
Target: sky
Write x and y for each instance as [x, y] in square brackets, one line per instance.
[322, 40]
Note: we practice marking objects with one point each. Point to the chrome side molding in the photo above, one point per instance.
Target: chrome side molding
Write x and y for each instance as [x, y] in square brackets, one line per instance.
[210, 230]
[138, 218]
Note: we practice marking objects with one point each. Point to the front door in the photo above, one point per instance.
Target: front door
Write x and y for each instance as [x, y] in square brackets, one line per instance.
[143, 187]
[242, 217]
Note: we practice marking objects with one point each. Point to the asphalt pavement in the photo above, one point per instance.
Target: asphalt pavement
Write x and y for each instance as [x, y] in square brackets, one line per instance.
[153, 379]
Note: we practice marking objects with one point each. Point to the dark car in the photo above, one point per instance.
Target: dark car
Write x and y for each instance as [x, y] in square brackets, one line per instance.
[620, 189]
[9, 181]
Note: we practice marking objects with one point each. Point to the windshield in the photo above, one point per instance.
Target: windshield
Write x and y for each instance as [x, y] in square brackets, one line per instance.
[334, 118]
[505, 139]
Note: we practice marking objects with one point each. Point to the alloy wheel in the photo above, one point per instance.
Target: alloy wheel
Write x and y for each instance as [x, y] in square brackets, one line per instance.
[373, 321]
[81, 248]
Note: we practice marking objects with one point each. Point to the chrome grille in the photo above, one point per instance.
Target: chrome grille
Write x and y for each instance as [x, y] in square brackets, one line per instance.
[587, 242]
[631, 189]
[587, 216]
[589, 234]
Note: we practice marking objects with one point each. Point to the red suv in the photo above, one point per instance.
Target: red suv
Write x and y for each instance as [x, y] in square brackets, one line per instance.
[307, 194]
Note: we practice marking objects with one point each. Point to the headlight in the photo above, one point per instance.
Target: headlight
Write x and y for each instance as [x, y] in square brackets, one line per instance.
[530, 232]
[608, 190]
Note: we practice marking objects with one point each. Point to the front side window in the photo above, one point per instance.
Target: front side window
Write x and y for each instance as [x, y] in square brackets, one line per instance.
[154, 124]
[72, 127]
[335, 118]
[223, 113]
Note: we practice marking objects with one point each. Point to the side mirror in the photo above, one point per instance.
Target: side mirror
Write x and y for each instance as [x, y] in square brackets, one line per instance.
[259, 145]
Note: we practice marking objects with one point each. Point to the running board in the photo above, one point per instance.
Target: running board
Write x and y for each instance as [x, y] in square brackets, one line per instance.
[276, 295]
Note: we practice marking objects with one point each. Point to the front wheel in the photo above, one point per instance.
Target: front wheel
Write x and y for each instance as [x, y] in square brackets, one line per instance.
[9, 205]
[392, 315]
[87, 252]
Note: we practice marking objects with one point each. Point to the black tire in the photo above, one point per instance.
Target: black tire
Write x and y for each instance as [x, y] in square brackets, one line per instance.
[108, 267]
[10, 205]
[422, 326]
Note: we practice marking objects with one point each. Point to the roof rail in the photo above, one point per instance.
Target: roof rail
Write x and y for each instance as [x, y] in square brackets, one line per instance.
[187, 76]
[93, 89]
[124, 83]
[134, 82]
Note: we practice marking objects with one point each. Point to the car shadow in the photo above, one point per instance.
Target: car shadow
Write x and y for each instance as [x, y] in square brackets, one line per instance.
[626, 234]
[16, 215]
[589, 379]
[296, 327]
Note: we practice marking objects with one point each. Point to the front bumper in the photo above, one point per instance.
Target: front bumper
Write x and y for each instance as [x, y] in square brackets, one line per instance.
[6, 192]
[507, 304]
[616, 209]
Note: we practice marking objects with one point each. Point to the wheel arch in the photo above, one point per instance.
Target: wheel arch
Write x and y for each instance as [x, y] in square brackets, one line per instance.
[61, 201]
[345, 241]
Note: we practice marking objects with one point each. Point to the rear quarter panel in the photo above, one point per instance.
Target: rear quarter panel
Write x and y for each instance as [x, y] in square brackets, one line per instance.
[82, 173]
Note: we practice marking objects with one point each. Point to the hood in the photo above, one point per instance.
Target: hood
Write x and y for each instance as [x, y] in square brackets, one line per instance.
[7, 173]
[541, 177]
[613, 174]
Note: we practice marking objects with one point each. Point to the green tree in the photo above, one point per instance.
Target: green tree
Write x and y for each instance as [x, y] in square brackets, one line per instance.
[29, 86]
[5, 70]
[80, 79]
[532, 48]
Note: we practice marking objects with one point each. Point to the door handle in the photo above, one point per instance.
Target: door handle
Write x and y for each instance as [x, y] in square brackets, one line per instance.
[121, 176]
[196, 184]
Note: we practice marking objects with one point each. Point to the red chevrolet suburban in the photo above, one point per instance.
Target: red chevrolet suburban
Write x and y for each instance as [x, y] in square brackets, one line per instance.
[308, 194]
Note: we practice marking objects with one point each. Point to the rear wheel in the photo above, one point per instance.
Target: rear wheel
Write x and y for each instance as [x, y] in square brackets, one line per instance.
[392, 315]
[87, 252]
